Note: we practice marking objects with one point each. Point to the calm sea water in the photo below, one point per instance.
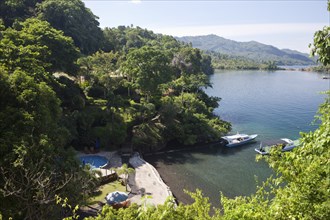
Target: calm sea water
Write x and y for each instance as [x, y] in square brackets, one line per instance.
[271, 104]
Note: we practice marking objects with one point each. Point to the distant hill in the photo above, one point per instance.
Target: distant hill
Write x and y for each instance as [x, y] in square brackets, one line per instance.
[252, 50]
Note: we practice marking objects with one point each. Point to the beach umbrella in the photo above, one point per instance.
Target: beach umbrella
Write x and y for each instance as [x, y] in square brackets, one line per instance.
[116, 197]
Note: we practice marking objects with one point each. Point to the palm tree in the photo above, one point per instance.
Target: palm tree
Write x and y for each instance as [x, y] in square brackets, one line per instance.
[124, 169]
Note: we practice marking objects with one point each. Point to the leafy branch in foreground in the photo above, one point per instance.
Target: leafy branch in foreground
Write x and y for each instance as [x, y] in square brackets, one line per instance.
[321, 44]
[67, 208]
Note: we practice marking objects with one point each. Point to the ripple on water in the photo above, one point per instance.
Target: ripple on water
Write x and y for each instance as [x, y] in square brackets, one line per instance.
[272, 104]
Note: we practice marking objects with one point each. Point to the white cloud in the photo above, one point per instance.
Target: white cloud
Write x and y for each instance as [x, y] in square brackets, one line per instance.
[136, 1]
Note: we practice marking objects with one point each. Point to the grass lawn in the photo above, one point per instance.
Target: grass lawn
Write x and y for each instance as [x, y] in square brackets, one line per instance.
[104, 190]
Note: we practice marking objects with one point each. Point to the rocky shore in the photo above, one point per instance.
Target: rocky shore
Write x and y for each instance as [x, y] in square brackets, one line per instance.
[171, 177]
[147, 187]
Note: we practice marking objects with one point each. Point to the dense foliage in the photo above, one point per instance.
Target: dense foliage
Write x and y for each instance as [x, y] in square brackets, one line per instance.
[321, 48]
[66, 83]
[75, 20]
[149, 89]
[17, 10]
[321, 45]
[34, 164]
[33, 45]
[224, 61]
[320, 68]
[300, 189]
[141, 90]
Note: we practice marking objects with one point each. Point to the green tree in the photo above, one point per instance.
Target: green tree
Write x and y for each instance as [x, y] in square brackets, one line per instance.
[17, 10]
[33, 45]
[321, 44]
[146, 69]
[190, 120]
[124, 169]
[34, 165]
[124, 38]
[148, 136]
[100, 71]
[188, 61]
[206, 63]
[115, 38]
[75, 20]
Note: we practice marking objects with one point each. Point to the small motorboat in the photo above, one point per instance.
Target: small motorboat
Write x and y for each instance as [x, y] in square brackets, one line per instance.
[238, 139]
[285, 143]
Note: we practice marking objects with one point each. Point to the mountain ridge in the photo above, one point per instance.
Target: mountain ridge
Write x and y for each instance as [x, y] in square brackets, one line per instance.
[254, 50]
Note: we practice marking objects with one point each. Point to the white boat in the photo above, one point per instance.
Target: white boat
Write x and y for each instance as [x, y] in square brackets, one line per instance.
[285, 143]
[238, 139]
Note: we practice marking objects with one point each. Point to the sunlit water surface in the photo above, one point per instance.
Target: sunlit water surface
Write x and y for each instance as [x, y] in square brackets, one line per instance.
[271, 104]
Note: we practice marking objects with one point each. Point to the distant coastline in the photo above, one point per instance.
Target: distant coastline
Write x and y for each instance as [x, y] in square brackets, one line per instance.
[318, 69]
[314, 68]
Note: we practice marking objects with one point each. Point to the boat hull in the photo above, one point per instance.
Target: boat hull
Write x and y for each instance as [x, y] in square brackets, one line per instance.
[251, 138]
[286, 147]
[260, 152]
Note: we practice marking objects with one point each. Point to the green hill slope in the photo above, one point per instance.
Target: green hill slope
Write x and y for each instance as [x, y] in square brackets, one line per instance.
[252, 50]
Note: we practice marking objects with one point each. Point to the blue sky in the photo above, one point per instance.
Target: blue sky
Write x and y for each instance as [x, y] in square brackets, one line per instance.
[282, 23]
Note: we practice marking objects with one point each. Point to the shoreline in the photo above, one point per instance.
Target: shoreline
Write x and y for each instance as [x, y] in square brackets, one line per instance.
[170, 178]
[147, 181]
[174, 178]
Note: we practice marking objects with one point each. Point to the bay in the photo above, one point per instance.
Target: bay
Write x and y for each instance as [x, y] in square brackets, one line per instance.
[271, 104]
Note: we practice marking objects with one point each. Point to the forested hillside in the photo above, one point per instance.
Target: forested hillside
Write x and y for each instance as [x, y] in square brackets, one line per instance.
[228, 62]
[252, 50]
[298, 190]
[66, 83]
